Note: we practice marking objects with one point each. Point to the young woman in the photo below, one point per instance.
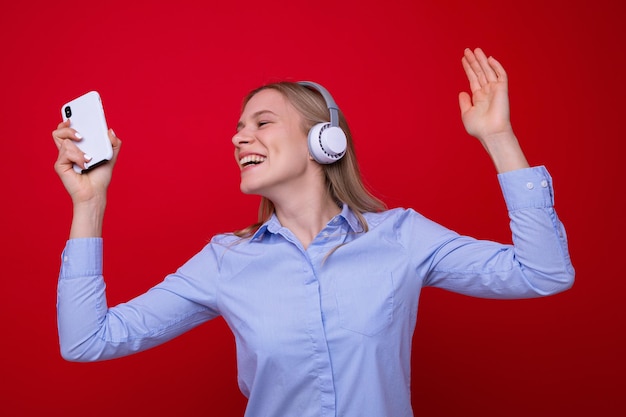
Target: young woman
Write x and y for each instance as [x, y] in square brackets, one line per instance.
[322, 293]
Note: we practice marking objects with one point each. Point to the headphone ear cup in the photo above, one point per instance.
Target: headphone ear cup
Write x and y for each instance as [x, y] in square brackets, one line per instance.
[327, 144]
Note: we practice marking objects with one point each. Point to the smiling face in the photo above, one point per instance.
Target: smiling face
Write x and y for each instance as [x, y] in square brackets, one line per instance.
[271, 147]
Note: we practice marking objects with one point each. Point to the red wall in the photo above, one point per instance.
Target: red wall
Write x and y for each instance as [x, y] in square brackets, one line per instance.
[172, 76]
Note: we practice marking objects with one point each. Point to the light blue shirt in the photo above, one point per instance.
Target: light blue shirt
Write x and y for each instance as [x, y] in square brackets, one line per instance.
[320, 335]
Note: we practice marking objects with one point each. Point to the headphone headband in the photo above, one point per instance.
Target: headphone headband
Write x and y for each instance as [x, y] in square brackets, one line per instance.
[330, 102]
[327, 141]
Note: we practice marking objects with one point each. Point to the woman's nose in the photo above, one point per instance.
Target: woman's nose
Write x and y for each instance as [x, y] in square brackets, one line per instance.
[242, 137]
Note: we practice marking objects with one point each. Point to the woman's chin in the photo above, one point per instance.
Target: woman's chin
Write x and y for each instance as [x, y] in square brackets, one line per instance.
[248, 189]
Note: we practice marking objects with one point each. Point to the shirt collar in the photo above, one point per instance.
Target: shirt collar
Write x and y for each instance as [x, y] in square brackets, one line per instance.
[272, 225]
[350, 218]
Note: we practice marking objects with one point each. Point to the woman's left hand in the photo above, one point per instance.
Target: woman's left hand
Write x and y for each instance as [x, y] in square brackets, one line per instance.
[485, 113]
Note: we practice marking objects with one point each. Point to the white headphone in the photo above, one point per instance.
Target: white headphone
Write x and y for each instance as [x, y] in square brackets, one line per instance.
[327, 141]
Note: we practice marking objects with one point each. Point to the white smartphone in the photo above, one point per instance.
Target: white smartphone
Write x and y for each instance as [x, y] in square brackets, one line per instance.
[86, 115]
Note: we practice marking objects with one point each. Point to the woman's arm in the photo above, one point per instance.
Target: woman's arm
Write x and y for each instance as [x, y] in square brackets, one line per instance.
[89, 330]
[538, 262]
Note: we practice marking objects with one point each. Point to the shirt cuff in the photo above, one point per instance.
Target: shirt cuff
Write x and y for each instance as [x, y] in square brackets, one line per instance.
[527, 188]
[81, 257]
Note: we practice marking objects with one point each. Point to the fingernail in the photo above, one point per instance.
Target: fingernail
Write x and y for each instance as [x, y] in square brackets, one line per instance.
[113, 133]
[87, 158]
[78, 135]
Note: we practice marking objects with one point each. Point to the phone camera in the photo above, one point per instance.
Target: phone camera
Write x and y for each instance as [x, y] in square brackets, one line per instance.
[68, 111]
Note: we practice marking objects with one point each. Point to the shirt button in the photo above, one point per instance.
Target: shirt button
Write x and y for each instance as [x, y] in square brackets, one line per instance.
[325, 235]
[66, 259]
[530, 185]
[544, 183]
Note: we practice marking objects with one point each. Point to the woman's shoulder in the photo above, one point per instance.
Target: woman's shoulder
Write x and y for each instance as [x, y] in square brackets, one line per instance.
[226, 239]
[395, 215]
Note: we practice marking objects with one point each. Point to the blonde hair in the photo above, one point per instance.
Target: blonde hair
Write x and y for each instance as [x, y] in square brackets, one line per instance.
[343, 178]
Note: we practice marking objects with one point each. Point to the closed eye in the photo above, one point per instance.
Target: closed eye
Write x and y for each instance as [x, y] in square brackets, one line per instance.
[257, 116]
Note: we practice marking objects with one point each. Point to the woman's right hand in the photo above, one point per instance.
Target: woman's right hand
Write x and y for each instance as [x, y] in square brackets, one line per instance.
[83, 188]
[88, 191]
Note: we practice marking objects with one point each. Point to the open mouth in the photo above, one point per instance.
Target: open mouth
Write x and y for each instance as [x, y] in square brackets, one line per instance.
[251, 160]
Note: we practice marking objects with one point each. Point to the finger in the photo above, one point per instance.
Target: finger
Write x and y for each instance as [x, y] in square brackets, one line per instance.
[471, 75]
[70, 154]
[67, 133]
[475, 67]
[485, 67]
[63, 132]
[64, 124]
[480, 66]
[63, 135]
[465, 102]
[498, 69]
[116, 143]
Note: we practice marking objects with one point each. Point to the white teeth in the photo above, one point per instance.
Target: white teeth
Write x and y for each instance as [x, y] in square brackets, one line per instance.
[251, 159]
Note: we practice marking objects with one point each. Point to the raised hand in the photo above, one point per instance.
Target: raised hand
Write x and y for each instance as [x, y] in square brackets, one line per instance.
[485, 113]
[88, 191]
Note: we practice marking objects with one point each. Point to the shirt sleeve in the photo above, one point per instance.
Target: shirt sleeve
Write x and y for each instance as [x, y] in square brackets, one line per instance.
[536, 264]
[89, 330]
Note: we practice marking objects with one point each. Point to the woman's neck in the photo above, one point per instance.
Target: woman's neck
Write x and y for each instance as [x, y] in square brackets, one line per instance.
[305, 218]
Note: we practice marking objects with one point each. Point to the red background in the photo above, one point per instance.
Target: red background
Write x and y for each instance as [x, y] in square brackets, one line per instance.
[172, 75]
